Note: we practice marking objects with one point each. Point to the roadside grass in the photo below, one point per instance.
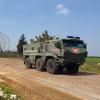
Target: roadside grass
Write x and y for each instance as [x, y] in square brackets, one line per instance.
[92, 64]
[9, 55]
[7, 91]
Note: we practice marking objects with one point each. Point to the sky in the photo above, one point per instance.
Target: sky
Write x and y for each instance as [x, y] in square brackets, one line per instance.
[60, 17]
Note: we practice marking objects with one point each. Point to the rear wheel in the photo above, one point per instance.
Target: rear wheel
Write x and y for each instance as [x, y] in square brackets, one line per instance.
[39, 64]
[73, 68]
[51, 66]
[27, 63]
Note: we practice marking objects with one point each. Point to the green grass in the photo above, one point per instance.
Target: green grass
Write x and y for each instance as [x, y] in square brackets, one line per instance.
[94, 59]
[8, 55]
[91, 65]
[8, 91]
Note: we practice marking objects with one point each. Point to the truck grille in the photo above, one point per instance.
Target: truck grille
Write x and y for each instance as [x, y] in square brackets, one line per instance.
[73, 56]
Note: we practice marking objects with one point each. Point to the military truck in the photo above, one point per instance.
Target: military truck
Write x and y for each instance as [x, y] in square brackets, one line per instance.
[55, 55]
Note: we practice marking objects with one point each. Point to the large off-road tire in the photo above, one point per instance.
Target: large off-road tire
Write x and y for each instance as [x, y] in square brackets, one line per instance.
[27, 63]
[72, 68]
[39, 64]
[51, 66]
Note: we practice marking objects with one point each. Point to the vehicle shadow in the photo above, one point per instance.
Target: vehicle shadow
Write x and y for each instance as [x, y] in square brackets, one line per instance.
[64, 72]
[85, 73]
[77, 74]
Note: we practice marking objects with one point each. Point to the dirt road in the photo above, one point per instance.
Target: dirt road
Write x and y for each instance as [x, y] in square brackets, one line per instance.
[44, 86]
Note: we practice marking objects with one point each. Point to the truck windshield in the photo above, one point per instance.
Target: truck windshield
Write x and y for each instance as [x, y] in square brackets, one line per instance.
[73, 43]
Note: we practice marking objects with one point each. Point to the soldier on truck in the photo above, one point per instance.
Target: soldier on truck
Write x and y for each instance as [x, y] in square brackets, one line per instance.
[56, 54]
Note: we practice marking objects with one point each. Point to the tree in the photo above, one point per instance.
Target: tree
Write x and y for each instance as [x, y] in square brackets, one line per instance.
[1, 50]
[44, 37]
[21, 42]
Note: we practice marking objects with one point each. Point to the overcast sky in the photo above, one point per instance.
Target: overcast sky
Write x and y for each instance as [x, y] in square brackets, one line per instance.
[59, 17]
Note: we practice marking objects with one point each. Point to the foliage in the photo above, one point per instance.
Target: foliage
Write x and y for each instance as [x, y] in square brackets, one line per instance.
[44, 37]
[9, 54]
[21, 42]
[6, 92]
[93, 59]
[92, 64]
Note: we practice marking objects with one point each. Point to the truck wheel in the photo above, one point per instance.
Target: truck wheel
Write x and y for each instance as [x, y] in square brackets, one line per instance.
[39, 64]
[72, 68]
[27, 63]
[51, 66]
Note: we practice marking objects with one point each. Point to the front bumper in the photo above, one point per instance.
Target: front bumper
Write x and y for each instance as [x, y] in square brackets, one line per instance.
[63, 62]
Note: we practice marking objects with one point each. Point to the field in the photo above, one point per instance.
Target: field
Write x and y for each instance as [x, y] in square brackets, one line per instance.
[92, 64]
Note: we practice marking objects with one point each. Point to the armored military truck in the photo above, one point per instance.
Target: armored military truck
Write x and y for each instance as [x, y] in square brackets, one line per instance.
[55, 55]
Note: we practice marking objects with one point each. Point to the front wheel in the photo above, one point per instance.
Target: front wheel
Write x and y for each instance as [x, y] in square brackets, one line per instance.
[51, 66]
[73, 68]
[27, 63]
